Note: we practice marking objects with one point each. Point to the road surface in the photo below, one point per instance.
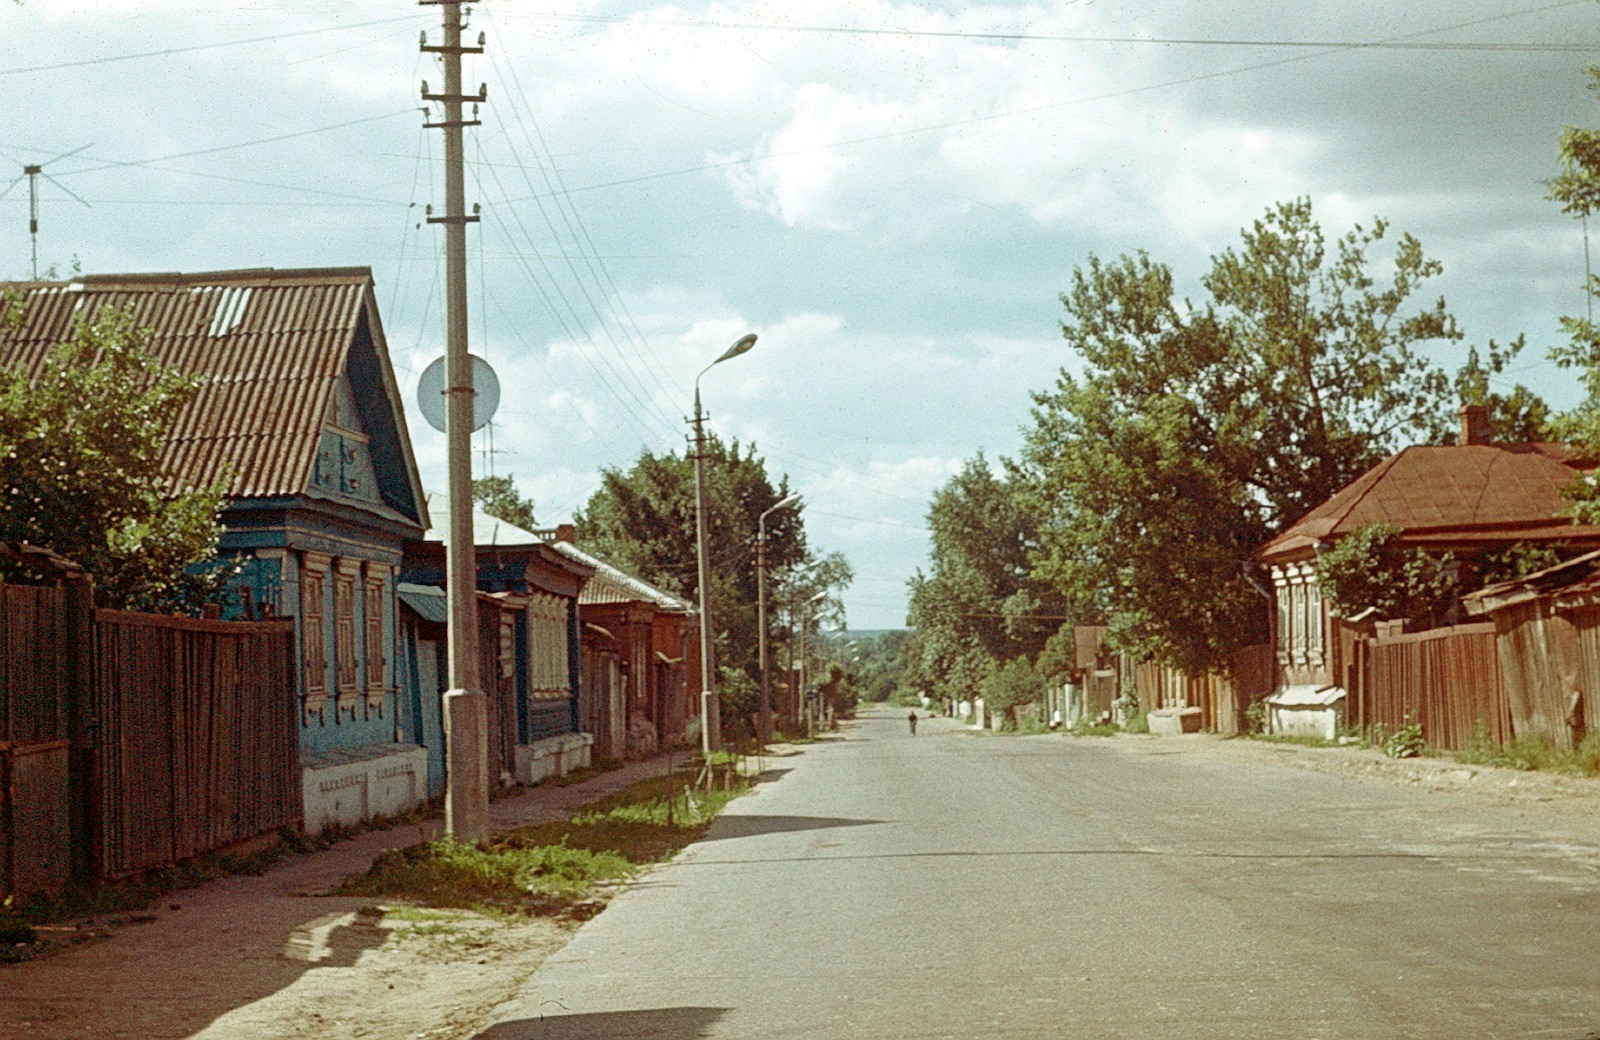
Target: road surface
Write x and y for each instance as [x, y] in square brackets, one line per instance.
[961, 885]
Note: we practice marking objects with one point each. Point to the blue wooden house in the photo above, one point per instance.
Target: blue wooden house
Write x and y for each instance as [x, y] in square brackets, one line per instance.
[529, 655]
[300, 416]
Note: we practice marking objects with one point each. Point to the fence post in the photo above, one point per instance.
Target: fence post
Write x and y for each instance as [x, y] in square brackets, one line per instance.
[83, 729]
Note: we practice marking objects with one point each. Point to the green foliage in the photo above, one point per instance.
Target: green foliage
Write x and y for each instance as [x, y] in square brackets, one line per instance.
[1138, 722]
[643, 520]
[740, 699]
[80, 461]
[1255, 717]
[546, 868]
[1577, 189]
[499, 497]
[1372, 568]
[1405, 742]
[1520, 417]
[1010, 686]
[1517, 560]
[1532, 753]
[1091, 728]
[1195, 432]
[980, 604]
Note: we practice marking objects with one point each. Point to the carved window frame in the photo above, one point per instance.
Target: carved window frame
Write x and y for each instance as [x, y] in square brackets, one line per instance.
[314, 629]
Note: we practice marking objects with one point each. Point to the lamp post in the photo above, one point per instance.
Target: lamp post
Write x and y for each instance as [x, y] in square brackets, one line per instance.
[710, 718]
[761, 614]
[805, 620]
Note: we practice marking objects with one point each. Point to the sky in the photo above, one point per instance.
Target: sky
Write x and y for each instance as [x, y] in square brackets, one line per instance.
[890, 195]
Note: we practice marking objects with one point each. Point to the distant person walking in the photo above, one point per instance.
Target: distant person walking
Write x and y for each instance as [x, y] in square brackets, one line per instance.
[912, 719]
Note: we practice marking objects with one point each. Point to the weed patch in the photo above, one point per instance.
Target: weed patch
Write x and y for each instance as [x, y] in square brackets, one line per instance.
[1531, 753]
[550, 868]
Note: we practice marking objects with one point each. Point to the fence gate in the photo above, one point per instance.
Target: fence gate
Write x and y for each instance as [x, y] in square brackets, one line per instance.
[35, 820]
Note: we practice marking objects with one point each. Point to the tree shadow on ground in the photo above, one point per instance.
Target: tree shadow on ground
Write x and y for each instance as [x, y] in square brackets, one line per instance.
[742, 826]
[679, 1023]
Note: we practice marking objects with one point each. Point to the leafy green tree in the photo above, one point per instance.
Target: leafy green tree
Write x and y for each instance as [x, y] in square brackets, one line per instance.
[1577, 189]
[80, 450]
[1196, 431]
[643, 520]
[499, 497]
[1009, 687]
[979, 604]
[1519, 417]
[1370, 568]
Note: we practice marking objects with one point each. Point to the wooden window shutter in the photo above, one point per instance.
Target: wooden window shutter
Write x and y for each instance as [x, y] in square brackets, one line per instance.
[313, 633]
[374, 617]
[344, 630]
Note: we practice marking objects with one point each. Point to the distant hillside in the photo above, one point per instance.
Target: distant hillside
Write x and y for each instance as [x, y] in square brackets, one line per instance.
[867, 633]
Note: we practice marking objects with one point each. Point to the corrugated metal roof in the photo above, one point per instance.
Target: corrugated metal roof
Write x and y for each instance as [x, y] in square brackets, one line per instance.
[1438, 493]
[430, 603]
[611, 585]
[486, 529]
[269, 344]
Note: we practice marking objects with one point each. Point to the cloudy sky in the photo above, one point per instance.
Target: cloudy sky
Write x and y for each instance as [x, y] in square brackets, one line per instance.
[890, 194]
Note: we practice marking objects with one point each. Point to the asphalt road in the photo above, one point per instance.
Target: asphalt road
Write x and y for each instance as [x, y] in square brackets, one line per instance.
[956, 885]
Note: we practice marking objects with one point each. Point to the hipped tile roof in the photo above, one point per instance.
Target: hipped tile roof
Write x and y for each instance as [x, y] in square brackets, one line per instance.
[1444, 494]
[269, 344]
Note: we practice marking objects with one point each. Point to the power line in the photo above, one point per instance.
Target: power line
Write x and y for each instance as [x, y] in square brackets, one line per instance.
[1527, 47]
[164, 52]
[1049, 106]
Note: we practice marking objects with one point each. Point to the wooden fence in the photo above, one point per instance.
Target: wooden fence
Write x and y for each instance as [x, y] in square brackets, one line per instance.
[1446, 679]
[35, 804]
[197, 747]
[130, 741]
[1220, 696]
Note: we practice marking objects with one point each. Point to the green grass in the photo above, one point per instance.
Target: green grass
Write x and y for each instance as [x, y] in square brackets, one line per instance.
[1084, 728]
[1532, 754]
[548, 868]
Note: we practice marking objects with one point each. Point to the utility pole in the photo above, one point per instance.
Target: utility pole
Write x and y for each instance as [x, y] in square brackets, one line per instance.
[466, 720]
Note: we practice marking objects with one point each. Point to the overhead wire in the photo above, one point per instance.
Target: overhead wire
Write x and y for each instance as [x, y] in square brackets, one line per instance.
[1046, 107]
[193, 48]
[578, 235]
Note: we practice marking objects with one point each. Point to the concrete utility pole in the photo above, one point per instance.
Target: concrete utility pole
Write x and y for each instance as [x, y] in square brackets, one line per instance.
[466, 720]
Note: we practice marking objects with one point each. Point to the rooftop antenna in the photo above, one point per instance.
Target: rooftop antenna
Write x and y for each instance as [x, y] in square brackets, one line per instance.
[33, 172]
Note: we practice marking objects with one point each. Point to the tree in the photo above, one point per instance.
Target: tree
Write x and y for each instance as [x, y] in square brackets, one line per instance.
[80, 450]
[1009, 687]
[643, 520]
[1195, 432]
[1371, 568]
[499, 497]
[1577, 189]
[980, 604]
[1521, 416]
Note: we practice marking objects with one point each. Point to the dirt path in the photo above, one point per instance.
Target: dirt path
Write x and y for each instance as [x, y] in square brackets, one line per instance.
[275, 958]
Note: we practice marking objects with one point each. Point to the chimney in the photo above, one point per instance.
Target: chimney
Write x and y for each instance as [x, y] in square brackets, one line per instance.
[1475, 427]
[567, 533]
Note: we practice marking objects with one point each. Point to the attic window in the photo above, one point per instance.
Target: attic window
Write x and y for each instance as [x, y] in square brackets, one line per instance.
[230, 309]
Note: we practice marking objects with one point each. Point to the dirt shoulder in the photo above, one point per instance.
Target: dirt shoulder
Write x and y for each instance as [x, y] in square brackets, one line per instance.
[1489, 785]
[274, 957]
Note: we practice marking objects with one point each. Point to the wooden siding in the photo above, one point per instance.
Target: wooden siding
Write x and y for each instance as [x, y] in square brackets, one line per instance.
[1447, 679]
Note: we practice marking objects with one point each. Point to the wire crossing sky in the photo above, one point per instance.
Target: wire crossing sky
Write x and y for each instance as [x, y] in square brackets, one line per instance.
[892, 195]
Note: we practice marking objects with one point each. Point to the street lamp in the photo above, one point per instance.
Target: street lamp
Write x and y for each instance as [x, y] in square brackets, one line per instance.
[710, 718]
[761, 613]
[804, 622]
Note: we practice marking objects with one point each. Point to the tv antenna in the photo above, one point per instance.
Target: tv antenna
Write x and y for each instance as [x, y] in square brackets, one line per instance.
[32, 173]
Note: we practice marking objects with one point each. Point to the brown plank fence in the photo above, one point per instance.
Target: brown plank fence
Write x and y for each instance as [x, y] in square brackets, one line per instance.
[35, 804]
[197, 747]
[1446, 679]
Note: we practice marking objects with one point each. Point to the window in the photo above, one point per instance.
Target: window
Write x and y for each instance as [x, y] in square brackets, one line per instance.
[1314, 622]
[547, 647]
[313, 631]
[1300, 637]
[1297, 609]
[344, 629]
[372, 615]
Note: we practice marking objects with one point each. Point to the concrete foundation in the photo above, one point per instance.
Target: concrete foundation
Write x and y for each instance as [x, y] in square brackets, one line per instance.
[553, 756]
[1172, 722]
[351, 786]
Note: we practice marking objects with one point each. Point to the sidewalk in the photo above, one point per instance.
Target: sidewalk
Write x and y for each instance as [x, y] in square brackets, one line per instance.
[276, 957]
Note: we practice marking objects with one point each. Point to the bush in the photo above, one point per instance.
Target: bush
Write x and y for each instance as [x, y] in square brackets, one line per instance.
[1255, 718]
[1138, 722]
[1405, 742]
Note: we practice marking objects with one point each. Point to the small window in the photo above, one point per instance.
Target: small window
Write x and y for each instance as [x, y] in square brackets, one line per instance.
[1297, 617]
[1314, 622]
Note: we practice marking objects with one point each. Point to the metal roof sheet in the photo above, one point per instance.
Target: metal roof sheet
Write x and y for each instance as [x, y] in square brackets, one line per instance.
[611, 585]
[270, 346]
